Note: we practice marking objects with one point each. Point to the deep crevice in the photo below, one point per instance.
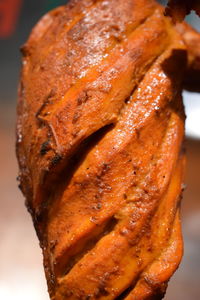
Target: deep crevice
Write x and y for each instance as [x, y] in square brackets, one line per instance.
[80, 152]
[62, 171]
[64, 267]
[148, 68]
[125, 293]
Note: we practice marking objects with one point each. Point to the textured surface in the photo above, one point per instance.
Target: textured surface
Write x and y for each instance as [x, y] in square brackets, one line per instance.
[100, 129]
[21, 270]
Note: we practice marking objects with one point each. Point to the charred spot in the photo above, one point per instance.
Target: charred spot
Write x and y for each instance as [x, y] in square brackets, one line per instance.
[42, 67]
[76, 117]
[52, 280]
[83, 97]
[134, 184]
[102, 291]
[68, 293]
[75, 132]
[47, 100]
[115, 27]
[29, 207]
[150, 249]
[157, 113]
[38, 217]
[20, 186]
[25, 50]
[97, 196]
[99, 206]
[18, 178]
[98, 177]
[49, 133]
[105, 168]
[124, 231]
[56, 159]
[52, 93]
[53, 244]
[118, 38]
[137, 133]
[45, 147]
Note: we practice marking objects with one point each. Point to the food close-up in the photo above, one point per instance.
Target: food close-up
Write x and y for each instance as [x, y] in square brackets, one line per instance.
[100, 134]
[104, 139]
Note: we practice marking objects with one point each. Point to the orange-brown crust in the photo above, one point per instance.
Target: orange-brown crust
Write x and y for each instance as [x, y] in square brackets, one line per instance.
[100, 129]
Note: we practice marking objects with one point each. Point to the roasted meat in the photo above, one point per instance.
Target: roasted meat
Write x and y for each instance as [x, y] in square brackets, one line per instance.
[99, 143]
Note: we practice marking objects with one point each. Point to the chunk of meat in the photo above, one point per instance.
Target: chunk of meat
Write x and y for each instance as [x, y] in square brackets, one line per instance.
[100, 130]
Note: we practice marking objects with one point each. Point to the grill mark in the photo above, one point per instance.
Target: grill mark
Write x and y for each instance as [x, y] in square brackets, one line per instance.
[67, 264]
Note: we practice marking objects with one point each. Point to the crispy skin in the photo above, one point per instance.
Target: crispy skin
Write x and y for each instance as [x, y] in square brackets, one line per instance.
[100, 130]
[178, 9]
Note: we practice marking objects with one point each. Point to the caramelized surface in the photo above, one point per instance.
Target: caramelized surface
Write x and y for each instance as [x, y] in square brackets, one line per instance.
[100, 129]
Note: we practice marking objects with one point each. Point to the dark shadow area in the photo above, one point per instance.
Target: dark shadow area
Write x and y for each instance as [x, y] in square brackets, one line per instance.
[192, 81]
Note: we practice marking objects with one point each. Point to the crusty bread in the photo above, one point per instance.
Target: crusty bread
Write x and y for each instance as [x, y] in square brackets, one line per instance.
[100, 130]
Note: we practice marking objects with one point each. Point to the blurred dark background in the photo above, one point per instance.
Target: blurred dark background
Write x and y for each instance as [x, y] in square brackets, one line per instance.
[21, 271]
